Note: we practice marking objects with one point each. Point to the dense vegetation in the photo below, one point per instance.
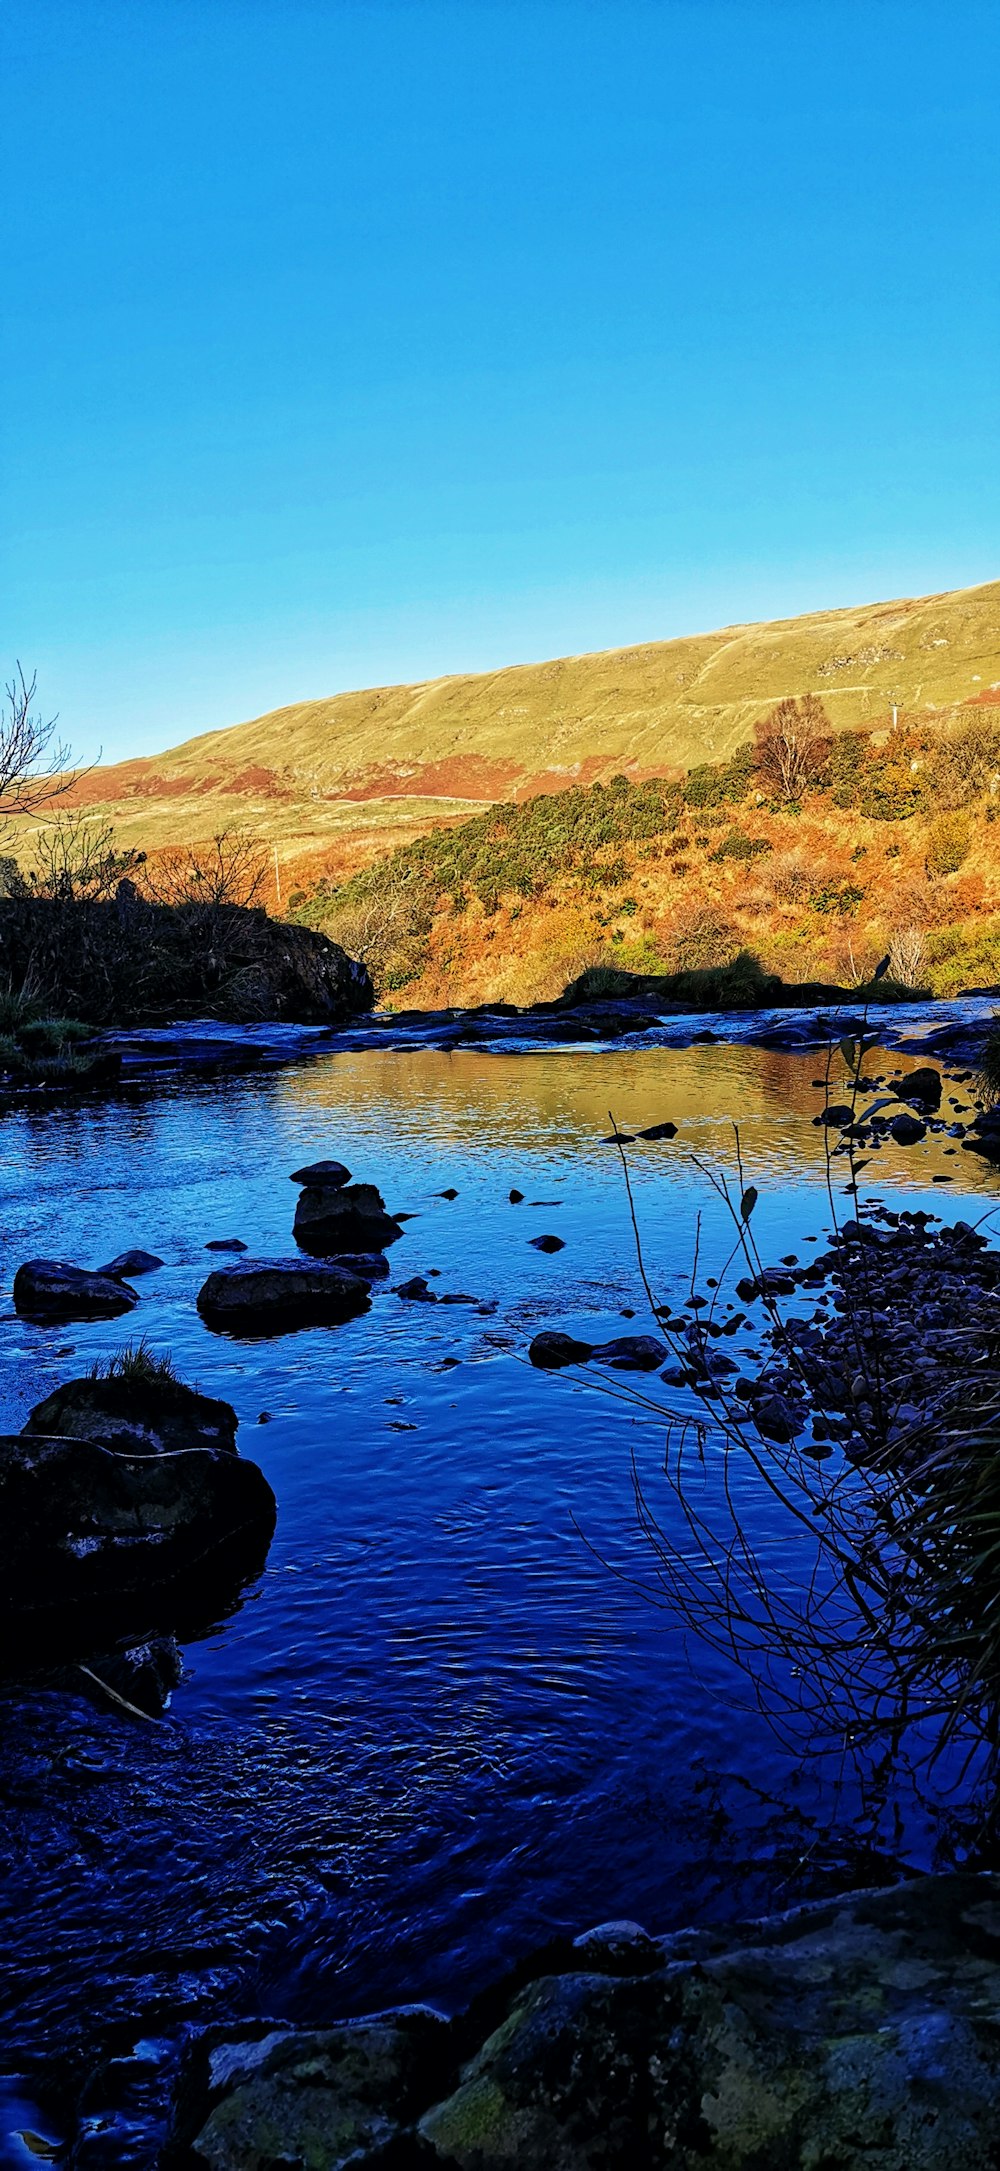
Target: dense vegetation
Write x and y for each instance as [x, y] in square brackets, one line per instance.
[699, 847]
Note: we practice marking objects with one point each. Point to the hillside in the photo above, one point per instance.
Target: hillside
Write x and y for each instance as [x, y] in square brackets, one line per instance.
[339, 778]
[885, 841]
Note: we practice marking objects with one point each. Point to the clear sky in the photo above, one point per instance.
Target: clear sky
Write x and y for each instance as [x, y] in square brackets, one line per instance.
[354, 341]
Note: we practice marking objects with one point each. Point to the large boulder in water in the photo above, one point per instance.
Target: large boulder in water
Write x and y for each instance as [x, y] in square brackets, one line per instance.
[138, 1413]
[344, 1217]
[52, 1289]
[84, 1528]
[272, 1296]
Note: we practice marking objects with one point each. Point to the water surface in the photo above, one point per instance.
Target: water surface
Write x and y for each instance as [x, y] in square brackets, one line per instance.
[447, 1722]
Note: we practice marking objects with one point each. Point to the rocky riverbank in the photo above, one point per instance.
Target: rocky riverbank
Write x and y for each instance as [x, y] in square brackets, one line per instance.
[841, 2034]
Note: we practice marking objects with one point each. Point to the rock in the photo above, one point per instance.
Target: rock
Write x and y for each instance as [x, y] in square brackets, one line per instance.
[837, 1115]
[632, 1353]
[226, 1243]
[776, 1418]
[922, 1087]
[547, 1243]
[617, 1948]
[551, 1349]
[251, 2099]
[451, 1193]
[370, 1265]
[328, 1175]
[129, 1263]
[659, 1130]
[828, 2037]
[274, 1296]
[83, 1527]
[416, 1291]
[348, 1217]
[144, 1673]
[907, 1130]
[515, 1197]
[139, 1416]
[47, 1289]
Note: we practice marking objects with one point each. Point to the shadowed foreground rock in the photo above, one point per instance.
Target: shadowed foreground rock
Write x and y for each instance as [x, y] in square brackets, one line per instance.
[85, 1528]
[152, 1416]
[852, 2033]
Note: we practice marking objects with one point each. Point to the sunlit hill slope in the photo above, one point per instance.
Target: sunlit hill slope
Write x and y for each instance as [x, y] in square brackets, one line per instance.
[343, 777]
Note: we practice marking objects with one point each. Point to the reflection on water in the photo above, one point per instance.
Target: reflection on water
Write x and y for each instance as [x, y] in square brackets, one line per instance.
[441, 1727]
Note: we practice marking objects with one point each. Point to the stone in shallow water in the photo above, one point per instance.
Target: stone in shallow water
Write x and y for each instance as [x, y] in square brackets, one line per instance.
[550, 1349]
[547, 1243]
[351, 1217]
[632, 1353]
[54, 1289]
[331, 1175]
[131, 1262]
[273, 1295]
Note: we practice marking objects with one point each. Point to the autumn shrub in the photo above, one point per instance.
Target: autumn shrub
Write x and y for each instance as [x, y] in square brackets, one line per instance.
[700, 937]
[948, 841]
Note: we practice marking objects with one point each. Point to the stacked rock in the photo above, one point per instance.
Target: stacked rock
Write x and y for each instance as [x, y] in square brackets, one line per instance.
[334, 1216]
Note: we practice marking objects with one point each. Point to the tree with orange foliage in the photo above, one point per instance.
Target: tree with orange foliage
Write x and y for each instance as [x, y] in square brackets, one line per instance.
[792, 745]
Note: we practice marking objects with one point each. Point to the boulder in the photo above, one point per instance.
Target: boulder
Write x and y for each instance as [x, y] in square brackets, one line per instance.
[658, 1130]
[328, 1175]
[343, 1217]
[271, 1296]
[226, 1243]
[551, 1349]
[83, 1527]
[250, 2099]
[143, 1415]
[851, 2032]
[129, 1263]
[52, 1289]
[845, 2032]
[547, 1243]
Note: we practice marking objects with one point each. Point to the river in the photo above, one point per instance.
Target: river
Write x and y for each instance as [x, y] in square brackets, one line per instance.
[448, 1722]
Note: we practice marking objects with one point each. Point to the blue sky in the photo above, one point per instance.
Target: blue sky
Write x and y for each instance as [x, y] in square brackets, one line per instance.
[355, 342]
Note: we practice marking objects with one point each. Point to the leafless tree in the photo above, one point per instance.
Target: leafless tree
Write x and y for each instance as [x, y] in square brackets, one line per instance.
[76, 859]
[34, 764]
[793, 744]
[232, 869]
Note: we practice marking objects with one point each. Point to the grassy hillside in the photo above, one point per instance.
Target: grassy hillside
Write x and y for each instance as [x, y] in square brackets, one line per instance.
[893, 845]
[338, 778]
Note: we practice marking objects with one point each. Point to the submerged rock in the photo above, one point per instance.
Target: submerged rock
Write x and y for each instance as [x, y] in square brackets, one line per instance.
[53, 1289]
[131, 1262]
[141, 1415]
[272, 1296]
[632, 1353]
[84, 1526]
[338, 1218]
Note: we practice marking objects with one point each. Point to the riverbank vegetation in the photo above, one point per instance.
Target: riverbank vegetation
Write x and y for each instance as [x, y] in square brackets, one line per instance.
[816, 851]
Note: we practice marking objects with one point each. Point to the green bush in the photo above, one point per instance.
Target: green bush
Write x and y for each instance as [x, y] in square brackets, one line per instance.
[948, 844]
[738, 846]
